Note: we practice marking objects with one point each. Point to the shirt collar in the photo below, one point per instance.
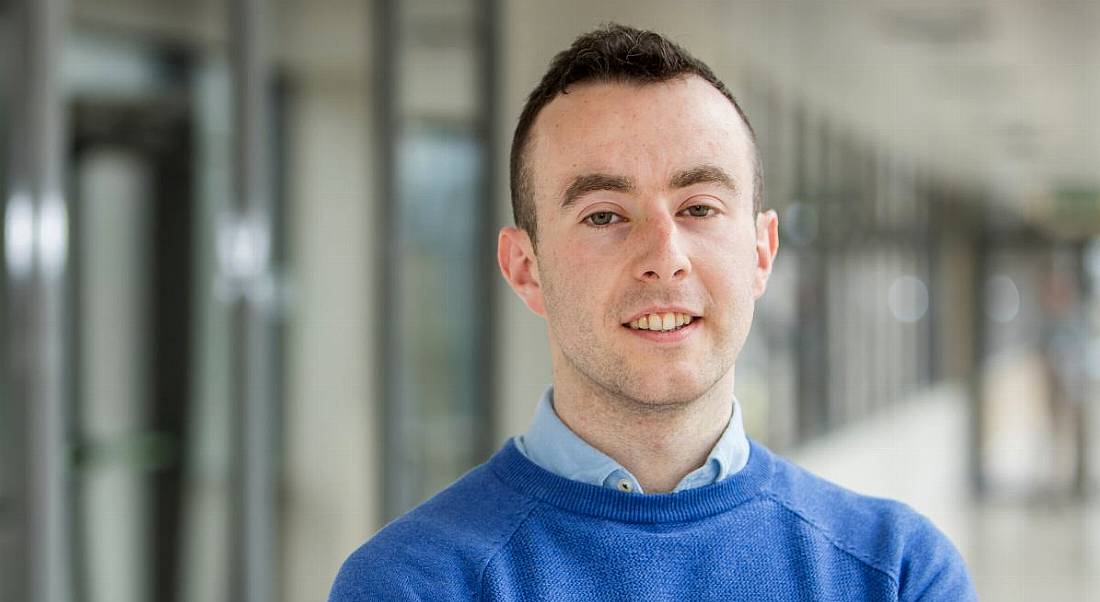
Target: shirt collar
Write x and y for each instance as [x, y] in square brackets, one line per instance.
[551, 444]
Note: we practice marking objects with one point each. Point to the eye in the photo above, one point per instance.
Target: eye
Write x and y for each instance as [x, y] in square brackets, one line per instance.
[601, 218]
[700, 211]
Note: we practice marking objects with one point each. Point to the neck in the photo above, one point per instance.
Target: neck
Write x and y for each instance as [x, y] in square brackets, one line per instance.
[658, 444]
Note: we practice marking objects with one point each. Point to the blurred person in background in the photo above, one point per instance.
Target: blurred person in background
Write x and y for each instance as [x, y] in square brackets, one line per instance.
[642, 241]
[1064, 331]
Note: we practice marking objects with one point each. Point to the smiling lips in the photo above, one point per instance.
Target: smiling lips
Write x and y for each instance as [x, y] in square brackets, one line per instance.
[661, 322]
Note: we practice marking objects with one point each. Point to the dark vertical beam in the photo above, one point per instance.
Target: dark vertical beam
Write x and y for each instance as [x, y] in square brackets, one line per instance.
[173, 222]
[976, 384]
[869, 183]
[813, 370]
[806, 375]
[388, 368]
[12, 442]
[36, 256]
[1085, 291]
[485, 231]
[255, 502]
[824, 200]
[935, 239]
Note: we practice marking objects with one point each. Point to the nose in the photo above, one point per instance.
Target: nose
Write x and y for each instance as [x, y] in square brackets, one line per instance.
[662, 256]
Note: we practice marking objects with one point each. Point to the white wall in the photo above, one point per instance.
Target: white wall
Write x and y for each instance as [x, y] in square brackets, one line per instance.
[332, 492]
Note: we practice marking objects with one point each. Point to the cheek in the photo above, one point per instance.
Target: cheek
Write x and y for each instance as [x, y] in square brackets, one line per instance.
[576, 291]
[728, 282]
[582, 271]
[730, 271]
[563, 285]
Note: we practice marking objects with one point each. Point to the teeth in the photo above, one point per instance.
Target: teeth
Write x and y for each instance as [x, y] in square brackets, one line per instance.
[661, 322]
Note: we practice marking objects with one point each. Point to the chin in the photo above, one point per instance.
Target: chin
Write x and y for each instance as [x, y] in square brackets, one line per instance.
[666, 393]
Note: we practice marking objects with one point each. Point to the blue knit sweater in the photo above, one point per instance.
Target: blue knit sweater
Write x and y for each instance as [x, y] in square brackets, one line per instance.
[510, 530]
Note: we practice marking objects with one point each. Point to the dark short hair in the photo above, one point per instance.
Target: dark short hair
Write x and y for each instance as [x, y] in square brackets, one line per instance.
[612, 53]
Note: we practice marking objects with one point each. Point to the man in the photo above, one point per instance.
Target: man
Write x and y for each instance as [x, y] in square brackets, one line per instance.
[640, 238]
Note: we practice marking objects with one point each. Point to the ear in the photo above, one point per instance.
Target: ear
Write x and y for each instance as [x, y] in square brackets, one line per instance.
[519, 266]
[767, 245]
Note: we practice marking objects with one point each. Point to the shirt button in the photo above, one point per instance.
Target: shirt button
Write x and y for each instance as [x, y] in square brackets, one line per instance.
[624, 485]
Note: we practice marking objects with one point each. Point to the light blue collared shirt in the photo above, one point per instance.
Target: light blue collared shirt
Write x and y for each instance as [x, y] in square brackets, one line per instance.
[553, 446]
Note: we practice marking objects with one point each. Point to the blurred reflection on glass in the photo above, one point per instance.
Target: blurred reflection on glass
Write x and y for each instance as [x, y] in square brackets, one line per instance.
[1003, 298]
[442, 306]
[439, 403]
[908, 298]
[800, 223]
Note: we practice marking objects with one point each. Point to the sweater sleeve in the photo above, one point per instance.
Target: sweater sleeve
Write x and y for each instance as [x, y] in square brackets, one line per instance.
[376, 572]
[933, 569]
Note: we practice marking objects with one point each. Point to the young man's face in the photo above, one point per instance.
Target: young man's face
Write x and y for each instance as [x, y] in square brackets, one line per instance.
[644, 201]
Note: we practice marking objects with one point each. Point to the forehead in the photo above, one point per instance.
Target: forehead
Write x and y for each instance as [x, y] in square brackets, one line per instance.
[643, 131]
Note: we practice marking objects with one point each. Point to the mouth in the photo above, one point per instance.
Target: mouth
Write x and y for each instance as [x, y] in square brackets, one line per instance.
[661, 322]
[666, 327]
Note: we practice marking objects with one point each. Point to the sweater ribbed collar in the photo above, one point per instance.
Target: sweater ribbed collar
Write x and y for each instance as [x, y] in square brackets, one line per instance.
[519, 472]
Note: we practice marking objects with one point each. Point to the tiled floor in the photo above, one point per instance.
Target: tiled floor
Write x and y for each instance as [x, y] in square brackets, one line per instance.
[1045, 551]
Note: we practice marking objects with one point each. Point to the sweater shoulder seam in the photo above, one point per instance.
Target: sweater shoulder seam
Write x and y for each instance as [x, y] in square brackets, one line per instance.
[522, 516]
[833, 540]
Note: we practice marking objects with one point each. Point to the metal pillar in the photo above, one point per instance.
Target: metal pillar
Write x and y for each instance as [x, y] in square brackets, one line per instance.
[976, 383]
[392, 415]
[36, 248]
[488, 128]
[250, 253]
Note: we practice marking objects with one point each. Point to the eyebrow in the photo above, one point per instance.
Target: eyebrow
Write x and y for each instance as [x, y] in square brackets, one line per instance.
[593, 182]
[702, 174]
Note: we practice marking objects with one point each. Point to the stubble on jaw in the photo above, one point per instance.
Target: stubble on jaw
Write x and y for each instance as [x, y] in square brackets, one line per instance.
[619, 400]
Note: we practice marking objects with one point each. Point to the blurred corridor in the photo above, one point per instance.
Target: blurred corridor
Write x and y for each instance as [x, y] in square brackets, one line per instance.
[250, 309]
[1045, 548]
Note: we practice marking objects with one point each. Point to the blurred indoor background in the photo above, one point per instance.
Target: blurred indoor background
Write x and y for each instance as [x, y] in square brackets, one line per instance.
[250, 309]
